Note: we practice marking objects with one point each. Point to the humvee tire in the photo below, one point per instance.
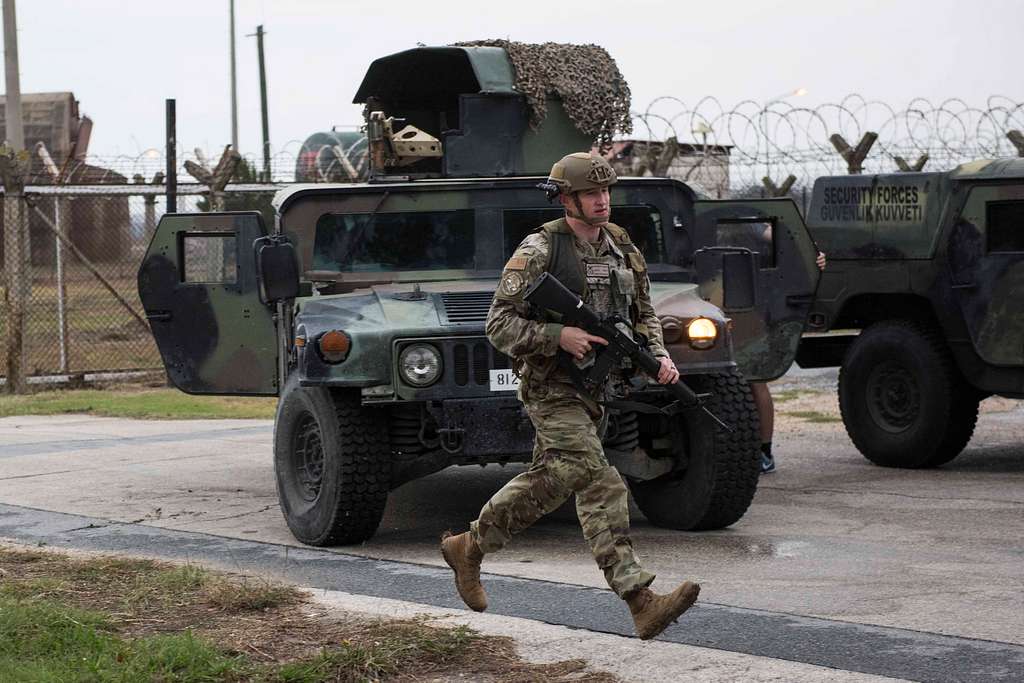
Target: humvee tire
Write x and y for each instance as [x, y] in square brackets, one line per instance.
[962, 419]
[718, 484]
[902, 399]
[332, 465]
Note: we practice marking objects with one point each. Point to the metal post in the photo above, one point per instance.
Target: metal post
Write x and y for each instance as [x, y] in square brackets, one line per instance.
[263, 105]
[16, 290]
[149, 205]
[1016, 138]
[60, 218]
[172, 159]
[234, 84]
[15, 217]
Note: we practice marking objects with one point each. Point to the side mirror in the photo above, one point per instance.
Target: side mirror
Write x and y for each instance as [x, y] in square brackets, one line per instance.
[277, 269]
[727, 277]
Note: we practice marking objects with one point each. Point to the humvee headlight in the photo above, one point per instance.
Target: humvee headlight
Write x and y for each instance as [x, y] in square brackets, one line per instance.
[671, 329]
[702, 333]
[334, 346]
[419, 364]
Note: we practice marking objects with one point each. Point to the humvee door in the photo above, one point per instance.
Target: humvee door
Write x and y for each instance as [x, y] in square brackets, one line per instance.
[986, 258]
[198, 286]
[765, 337]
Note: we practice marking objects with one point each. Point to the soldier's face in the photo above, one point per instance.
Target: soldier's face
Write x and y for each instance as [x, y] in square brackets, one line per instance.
[595, 204]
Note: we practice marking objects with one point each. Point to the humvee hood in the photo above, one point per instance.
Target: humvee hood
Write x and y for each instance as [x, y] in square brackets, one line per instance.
[454, 304]
[406, 307]
[681, 300]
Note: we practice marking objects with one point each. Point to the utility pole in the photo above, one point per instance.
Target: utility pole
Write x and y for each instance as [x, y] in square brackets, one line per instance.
[263, 105]
[234, 84]
[13, 166]
[15, 127]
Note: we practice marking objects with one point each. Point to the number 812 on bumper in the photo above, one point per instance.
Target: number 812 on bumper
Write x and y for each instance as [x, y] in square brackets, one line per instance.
[504, 380]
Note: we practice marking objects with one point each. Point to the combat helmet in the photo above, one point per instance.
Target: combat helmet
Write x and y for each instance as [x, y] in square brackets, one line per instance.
[575, 172]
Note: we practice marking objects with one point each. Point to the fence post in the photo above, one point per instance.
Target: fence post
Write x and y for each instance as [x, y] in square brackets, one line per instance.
[172, 157]
[218, 178]
[904, 167]
[780, 190]
[13, 167]
[149, 203]
[1017, 140]
[62, 217]
[854, 157]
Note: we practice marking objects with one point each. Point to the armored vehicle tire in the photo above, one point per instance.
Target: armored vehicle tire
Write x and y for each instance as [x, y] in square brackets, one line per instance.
[963, 417]
[331, 463]
[716, 487]
[902, 399]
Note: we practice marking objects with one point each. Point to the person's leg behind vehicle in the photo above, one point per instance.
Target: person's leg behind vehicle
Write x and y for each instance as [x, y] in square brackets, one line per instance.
[766, 418]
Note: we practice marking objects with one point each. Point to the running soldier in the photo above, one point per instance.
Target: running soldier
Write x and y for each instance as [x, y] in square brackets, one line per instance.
[598, 261]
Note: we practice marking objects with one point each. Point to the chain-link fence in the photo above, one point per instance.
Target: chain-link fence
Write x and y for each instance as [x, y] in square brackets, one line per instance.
[81, 309]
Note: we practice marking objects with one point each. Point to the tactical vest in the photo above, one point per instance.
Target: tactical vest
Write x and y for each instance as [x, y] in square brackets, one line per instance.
[565, 264]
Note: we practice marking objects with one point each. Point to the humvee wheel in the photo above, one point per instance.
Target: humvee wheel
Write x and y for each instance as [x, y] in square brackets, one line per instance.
[331, 463]
[720, 479]
[902, 399]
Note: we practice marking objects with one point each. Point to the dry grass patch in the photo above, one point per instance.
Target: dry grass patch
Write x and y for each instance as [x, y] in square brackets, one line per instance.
[156, 621]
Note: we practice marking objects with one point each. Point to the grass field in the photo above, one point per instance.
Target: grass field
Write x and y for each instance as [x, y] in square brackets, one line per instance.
[137, 402]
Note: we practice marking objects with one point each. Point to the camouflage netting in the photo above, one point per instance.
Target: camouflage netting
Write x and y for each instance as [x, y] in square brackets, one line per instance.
[595, 95]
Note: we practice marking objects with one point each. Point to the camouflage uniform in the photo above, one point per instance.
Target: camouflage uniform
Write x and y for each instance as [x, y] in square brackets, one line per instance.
[568, 457]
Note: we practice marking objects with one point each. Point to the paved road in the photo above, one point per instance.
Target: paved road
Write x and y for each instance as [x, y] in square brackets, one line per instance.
[838, 563]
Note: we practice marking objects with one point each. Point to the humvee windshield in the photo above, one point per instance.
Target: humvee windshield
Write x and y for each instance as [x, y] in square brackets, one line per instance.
[447, 240]
[422, 240]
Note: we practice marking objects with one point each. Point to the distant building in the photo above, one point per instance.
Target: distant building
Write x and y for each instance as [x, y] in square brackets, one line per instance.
[705, 168]
[98, 225]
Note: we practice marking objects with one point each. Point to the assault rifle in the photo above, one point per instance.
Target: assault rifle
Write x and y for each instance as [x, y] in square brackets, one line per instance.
[550, 294]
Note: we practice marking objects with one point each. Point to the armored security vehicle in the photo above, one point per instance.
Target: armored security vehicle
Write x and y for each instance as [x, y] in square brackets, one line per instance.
[923, 300]
[363, 307]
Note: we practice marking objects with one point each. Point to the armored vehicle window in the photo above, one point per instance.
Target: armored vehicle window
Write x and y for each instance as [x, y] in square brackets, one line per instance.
[643, 223]
[1004, 226]
[753, 234]
[519, 223]
[209, 257]
[426, 240]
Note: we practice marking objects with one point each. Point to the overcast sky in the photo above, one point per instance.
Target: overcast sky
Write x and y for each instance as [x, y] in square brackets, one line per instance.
[123, 58]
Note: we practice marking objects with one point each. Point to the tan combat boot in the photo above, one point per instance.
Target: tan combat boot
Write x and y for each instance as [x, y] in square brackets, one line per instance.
[653, 613]
[463, 555]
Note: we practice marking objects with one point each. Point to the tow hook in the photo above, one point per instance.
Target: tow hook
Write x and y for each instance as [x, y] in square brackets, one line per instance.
[451, 439]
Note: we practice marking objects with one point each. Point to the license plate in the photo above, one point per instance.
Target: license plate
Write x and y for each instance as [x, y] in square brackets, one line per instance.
[504, 380]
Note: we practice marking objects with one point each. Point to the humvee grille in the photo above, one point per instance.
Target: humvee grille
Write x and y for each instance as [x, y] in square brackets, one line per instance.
[473, 361]
[465, 308]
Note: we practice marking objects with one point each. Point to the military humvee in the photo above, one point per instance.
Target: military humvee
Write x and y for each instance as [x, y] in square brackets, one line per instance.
[363, 307]
[923, 295]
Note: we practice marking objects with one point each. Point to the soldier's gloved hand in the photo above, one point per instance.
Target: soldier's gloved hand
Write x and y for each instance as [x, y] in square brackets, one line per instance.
[577, 342]
[669, 373]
